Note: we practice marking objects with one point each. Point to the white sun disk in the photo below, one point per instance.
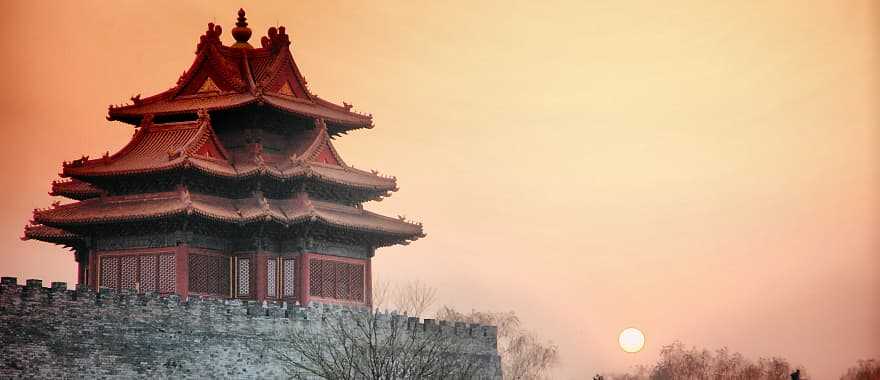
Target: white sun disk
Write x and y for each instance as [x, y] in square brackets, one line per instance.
[631, 340]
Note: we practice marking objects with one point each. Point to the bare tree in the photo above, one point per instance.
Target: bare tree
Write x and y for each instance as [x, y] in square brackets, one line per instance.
[523, 356]
[864, 370]
[362, 344]
[413, 298]
[678, 362]
[382, 294]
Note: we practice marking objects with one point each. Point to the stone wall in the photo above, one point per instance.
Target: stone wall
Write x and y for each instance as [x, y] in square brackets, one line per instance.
[59, 333]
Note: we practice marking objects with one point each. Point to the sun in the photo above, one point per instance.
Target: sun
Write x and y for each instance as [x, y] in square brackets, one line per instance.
[631, 340]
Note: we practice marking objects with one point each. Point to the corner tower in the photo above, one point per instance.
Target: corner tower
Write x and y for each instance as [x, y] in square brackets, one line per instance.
[230, 187]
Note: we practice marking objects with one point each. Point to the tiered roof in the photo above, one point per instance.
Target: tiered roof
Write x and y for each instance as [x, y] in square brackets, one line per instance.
[194, 145]
[53, 235]
[255, 209]
[75, 189]
[223, 77]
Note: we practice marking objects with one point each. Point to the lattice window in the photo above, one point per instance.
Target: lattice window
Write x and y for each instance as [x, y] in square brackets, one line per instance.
[207, 274]
[128, 272]
[315, 277]
[289, 277]
[243, 277]
[167, 274]
[216, 270]
[343, 283]
[337, 280]
[149, 265]
[328, 277]
[271, 277]
[357, 282]
[148, 273]
[223, 276]
[198, 273]
[109, 272]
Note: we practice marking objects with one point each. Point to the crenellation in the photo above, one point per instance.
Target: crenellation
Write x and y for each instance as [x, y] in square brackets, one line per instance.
[59, 286]
[171, 300]
[83, 333]
[255, 310]
[490, 334]
[57, 295]
[412, 323]
[10, 288]
[275, 310]
[428, 325]
[460, 328]
[33, 291]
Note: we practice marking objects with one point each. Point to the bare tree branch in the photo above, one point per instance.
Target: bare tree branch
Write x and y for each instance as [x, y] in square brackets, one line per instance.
[523, 356]
[362, 344]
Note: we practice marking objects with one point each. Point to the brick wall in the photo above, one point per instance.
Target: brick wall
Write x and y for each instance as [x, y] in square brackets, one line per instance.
[54, 332]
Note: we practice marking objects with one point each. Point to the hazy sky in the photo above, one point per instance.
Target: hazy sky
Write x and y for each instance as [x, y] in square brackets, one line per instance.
[705, 171]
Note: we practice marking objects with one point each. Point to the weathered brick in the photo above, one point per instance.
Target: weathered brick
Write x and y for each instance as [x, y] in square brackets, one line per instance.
[54, 333]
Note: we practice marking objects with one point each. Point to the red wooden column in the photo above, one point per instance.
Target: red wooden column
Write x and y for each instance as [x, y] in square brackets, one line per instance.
[181, 265]
[81, 272]
[92, 281]
[260, 275]
[368, 283]
[303, 286]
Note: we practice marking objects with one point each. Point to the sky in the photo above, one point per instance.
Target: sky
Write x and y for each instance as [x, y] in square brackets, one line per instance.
[708, 172]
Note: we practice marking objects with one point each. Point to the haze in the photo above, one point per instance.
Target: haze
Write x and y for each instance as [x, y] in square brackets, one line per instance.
[706, 172]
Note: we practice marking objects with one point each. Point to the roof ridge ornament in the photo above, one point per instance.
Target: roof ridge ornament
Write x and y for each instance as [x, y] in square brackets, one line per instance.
[277, 38]
[241, 32]
[203, 115]
[211, 36]
[146, 120]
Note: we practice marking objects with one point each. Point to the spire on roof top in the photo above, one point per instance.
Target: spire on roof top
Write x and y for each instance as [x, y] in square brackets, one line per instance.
[241, 32]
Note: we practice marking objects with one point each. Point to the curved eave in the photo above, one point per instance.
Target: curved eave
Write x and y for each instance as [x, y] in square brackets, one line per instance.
[86, 173]
[79, 196]
[409, 234]
[339, 120]
[337, 116]
[315, 171]
[285, 213]
[52, 235]
[412, 232]
[134, 113]
[74, 190]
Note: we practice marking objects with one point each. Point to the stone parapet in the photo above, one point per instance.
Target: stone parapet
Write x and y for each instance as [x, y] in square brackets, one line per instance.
[56, 332]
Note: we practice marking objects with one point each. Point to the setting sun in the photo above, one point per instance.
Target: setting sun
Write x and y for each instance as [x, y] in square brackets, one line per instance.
[631, 340]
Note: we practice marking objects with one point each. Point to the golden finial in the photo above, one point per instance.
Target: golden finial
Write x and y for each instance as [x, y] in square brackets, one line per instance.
[241, 32]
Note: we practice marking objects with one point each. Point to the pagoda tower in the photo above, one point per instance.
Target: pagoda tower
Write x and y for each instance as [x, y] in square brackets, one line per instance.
[230, 187]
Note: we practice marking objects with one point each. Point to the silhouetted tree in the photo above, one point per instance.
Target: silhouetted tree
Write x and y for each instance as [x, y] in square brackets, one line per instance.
[413, 298]
[364, 345]
[678, 362]
[864, 370]
[523, 355]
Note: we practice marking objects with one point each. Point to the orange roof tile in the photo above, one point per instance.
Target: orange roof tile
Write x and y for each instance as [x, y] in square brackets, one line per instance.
[75, 189]
[300, 209]
[241, 76]
[161, 147]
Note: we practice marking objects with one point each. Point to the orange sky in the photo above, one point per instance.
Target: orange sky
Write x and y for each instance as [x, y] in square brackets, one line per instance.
[706, 172]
